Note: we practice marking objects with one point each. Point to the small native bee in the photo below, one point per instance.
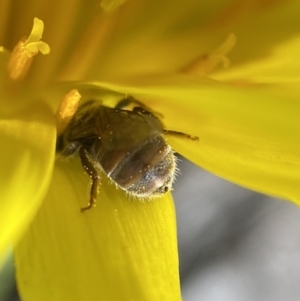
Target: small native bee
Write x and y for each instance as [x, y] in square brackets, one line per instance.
[126, 145]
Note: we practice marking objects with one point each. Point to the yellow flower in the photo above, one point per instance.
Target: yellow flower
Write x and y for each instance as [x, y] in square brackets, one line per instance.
[170, 55]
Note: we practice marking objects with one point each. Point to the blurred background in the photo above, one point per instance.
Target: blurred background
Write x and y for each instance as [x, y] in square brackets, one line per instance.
[234, 244]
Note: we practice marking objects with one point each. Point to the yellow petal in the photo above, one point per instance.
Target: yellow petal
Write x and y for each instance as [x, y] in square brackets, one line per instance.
[246, 136]
[268, 45]
[111, 5]
[144, 37]
[27, 138]
[121, 250]
[281, 66]
[4, 56]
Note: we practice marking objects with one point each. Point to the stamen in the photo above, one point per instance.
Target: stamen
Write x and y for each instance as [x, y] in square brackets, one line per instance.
[209, 62]
[67, 109]
[21, 56]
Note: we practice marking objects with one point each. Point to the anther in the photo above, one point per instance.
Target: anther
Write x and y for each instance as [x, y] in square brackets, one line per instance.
[67, 109]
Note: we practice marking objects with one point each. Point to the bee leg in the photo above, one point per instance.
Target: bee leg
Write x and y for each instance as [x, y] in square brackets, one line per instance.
[180, 134]
[146, 111]
[128, 100]
[140, 107]
[93, 174]
[143, 111]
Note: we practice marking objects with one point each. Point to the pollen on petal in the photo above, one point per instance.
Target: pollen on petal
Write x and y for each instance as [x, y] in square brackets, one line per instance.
[209, 62]
[67, 109]
[21, 56]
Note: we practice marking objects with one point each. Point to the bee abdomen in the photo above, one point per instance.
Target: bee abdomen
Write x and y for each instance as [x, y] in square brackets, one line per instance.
[158, 180]
[144, 170]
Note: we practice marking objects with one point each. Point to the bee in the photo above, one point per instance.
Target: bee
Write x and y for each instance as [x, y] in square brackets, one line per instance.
[126, 145]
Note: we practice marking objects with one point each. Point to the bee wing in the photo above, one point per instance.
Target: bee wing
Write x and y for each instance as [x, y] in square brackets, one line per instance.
[83, 130]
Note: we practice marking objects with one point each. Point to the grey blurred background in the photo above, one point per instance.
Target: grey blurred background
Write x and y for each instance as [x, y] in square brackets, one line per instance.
[234, 244]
